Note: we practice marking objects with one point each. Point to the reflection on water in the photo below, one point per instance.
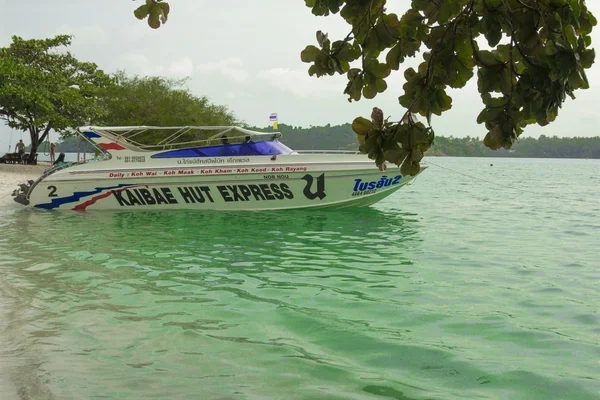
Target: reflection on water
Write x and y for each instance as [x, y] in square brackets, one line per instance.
[236, 225]
[123, 288]
[162, 246]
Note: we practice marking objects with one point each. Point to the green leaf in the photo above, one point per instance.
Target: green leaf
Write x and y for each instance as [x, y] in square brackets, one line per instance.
[154, 17]
[381, 85]
[354, 90]
[394, 57]
[348, 52]
[309, 54]
[443, 100]
[464, 52]
[410, 168]
[571, 35]
[371, 146]
[362, 126]
[416, 155]
[142, 11]
[587, 58]
[410, 74]
[550, 48]
[379, 158]
[493, 36]
[494, 139]
[361, 140]
[321, 38]
[396, 156]
[444, 12]
[165, 11]
[370, 91]
[487, 58]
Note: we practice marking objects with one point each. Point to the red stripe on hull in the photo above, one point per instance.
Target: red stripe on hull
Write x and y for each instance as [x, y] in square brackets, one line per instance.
[111, 146]
[83, 206]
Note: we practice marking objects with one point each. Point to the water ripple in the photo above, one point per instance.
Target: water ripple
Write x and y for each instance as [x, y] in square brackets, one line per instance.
[448, 290]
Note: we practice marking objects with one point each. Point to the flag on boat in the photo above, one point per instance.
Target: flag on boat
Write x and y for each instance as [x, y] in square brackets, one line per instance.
[273, 119]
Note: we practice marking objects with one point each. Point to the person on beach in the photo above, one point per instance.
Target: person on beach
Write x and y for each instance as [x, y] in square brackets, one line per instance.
[52, 152]
[20, 147]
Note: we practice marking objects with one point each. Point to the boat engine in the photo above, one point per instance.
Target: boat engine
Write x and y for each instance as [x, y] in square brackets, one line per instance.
[20, 195]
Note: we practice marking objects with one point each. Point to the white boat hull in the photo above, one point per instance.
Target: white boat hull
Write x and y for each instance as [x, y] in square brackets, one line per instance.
[292, 181]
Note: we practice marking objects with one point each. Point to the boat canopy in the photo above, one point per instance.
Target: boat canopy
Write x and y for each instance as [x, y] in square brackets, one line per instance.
[248, 148]
[156, 138]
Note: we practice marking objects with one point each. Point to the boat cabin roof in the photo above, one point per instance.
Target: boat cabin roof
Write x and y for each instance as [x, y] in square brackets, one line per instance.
[156, 138]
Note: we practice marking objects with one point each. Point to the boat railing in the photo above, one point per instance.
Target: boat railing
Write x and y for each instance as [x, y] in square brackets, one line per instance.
[192, 143]
[327, 152]
[163, 138]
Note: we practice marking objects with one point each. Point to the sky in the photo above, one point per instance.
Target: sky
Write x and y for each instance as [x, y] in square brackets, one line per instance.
[245, 54]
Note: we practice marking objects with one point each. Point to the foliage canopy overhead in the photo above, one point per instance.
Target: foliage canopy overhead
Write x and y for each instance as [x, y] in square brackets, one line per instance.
[528, 56]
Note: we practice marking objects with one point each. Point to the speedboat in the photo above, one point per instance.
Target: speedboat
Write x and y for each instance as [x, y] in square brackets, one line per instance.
[206, 168]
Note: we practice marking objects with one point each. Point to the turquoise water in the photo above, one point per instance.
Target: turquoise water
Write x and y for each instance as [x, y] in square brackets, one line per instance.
[456, 287]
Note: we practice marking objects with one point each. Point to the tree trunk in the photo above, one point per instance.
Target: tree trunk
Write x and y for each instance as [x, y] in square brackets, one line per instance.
[34, 134]
[36, 140]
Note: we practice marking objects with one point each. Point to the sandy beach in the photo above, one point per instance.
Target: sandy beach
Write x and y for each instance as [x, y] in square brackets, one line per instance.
[11, 175]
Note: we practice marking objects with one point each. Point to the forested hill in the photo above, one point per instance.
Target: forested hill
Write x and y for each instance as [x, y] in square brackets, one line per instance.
[341, 137]
[544, 147]
[338, 137]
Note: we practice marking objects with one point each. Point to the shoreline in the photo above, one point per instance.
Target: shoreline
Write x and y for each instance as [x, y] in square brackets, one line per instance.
[11, 175]
[24, 168]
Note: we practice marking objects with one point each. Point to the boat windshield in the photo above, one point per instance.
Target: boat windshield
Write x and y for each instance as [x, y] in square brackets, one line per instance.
[263, 148]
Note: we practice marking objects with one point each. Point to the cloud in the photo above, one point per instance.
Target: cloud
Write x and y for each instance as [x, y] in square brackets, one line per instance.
[139, 64]
[231, 68]
[182, 68]
[299, 83]
[83, 36]
[135, 33]
[236, 95]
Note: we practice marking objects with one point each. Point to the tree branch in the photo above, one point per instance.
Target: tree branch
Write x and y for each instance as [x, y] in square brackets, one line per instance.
[344, 42]
[528, 6]
[434, 52]
[46, 131]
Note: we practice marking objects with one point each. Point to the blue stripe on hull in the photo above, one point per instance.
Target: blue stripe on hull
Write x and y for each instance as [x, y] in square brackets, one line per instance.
[91, 135]
[76, 196]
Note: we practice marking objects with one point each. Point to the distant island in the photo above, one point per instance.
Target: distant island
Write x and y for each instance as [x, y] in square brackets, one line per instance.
[341, 137]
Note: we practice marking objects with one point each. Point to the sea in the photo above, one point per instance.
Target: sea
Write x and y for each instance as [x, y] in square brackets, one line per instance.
[481, 280]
